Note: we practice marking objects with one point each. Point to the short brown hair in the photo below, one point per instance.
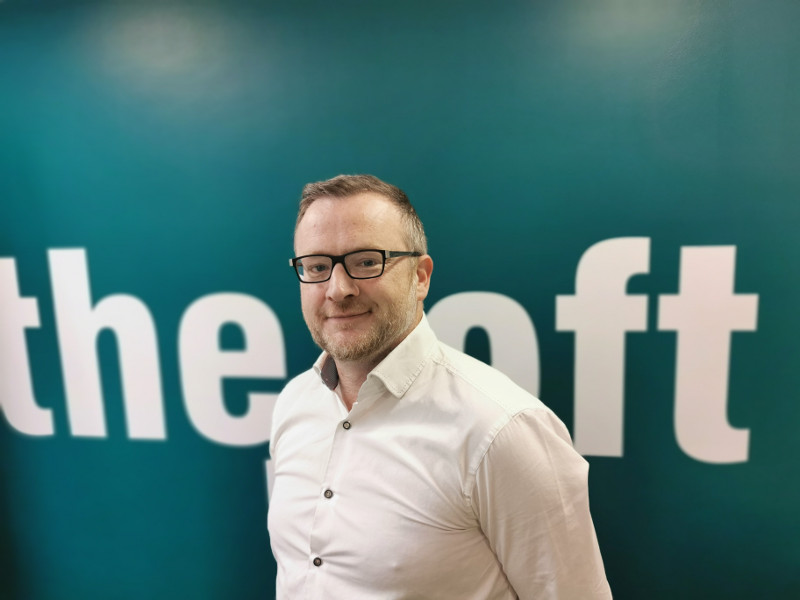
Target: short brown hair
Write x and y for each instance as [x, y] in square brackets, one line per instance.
[344, 186]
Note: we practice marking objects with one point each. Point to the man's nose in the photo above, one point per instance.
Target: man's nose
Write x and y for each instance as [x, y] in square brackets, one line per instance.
[341, 285]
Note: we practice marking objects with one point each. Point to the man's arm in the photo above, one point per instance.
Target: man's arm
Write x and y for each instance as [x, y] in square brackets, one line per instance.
[532, 500]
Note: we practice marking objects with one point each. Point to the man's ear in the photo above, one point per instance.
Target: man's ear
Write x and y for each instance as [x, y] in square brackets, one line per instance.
[424, 270]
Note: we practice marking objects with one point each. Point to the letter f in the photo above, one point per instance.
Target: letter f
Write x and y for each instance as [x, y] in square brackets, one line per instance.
[600, 313]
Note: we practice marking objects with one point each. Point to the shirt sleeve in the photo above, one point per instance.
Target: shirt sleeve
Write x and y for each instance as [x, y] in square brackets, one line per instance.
[532, 501]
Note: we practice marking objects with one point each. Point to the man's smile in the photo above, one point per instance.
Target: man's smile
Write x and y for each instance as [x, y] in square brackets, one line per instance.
[343, 318]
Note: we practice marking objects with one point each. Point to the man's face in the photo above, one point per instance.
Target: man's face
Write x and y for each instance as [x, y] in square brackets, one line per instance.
[360, 320]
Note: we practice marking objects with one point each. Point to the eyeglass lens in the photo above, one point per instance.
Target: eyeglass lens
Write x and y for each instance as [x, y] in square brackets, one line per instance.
[359, 265]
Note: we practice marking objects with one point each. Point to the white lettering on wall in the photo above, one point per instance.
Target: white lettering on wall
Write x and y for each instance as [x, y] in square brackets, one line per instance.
[704, 313]
[16, 387]
[204, 365]
[513, 342]
[78, 324]
[601, 313]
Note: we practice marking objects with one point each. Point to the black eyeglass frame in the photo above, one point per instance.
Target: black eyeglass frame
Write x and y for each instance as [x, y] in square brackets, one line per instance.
[337, 259]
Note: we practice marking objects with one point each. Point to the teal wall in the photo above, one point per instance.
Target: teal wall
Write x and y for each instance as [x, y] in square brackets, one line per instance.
[170, 140]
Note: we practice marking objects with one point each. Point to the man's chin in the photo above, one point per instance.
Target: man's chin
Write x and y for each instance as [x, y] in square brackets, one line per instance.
[346, 346]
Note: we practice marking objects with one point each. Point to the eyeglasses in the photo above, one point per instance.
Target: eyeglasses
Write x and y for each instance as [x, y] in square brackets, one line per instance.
[360, 264]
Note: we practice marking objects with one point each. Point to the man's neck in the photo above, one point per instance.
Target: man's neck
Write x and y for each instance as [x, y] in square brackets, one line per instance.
[353, 374]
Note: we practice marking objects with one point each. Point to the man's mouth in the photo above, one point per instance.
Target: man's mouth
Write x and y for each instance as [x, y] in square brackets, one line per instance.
[347, 316]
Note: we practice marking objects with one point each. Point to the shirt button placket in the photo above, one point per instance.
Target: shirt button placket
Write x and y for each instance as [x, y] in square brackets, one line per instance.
[328, 494]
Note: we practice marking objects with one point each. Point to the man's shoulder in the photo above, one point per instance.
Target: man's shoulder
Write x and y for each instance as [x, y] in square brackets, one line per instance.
[485, 383]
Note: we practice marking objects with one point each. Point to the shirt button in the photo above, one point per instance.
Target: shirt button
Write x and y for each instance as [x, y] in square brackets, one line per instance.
[317, 561]
[346, 424]
[328, 494]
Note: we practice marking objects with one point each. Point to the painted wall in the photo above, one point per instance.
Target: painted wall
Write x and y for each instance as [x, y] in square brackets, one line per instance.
[611, 195]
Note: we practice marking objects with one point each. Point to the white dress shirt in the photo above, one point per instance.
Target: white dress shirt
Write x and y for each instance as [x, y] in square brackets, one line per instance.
[445, 481]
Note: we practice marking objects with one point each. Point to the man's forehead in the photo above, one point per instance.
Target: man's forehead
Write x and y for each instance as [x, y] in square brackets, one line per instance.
[366, 220]
[371, 202]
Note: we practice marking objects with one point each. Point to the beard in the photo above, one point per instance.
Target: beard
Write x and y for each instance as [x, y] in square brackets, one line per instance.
[392, 322]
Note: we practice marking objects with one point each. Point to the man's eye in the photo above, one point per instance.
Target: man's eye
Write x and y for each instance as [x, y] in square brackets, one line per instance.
[368, 262]
[316, 267]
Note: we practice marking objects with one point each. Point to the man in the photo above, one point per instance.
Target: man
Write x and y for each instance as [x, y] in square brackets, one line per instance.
[404, 468]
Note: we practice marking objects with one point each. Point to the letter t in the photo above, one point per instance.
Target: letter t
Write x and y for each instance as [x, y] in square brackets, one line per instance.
[16, 388]
[704, 314]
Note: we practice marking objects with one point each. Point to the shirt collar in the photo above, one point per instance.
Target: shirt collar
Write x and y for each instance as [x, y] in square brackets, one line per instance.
[399, 369]
[326, 369]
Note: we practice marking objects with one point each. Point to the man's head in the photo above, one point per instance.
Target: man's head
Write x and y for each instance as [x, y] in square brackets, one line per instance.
[362, 320]
[343, 186]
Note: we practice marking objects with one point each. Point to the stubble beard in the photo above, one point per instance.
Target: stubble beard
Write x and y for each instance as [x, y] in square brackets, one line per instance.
[394, 321]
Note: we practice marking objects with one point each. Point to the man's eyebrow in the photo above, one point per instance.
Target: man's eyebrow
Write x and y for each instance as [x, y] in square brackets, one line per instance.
[354, 249]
